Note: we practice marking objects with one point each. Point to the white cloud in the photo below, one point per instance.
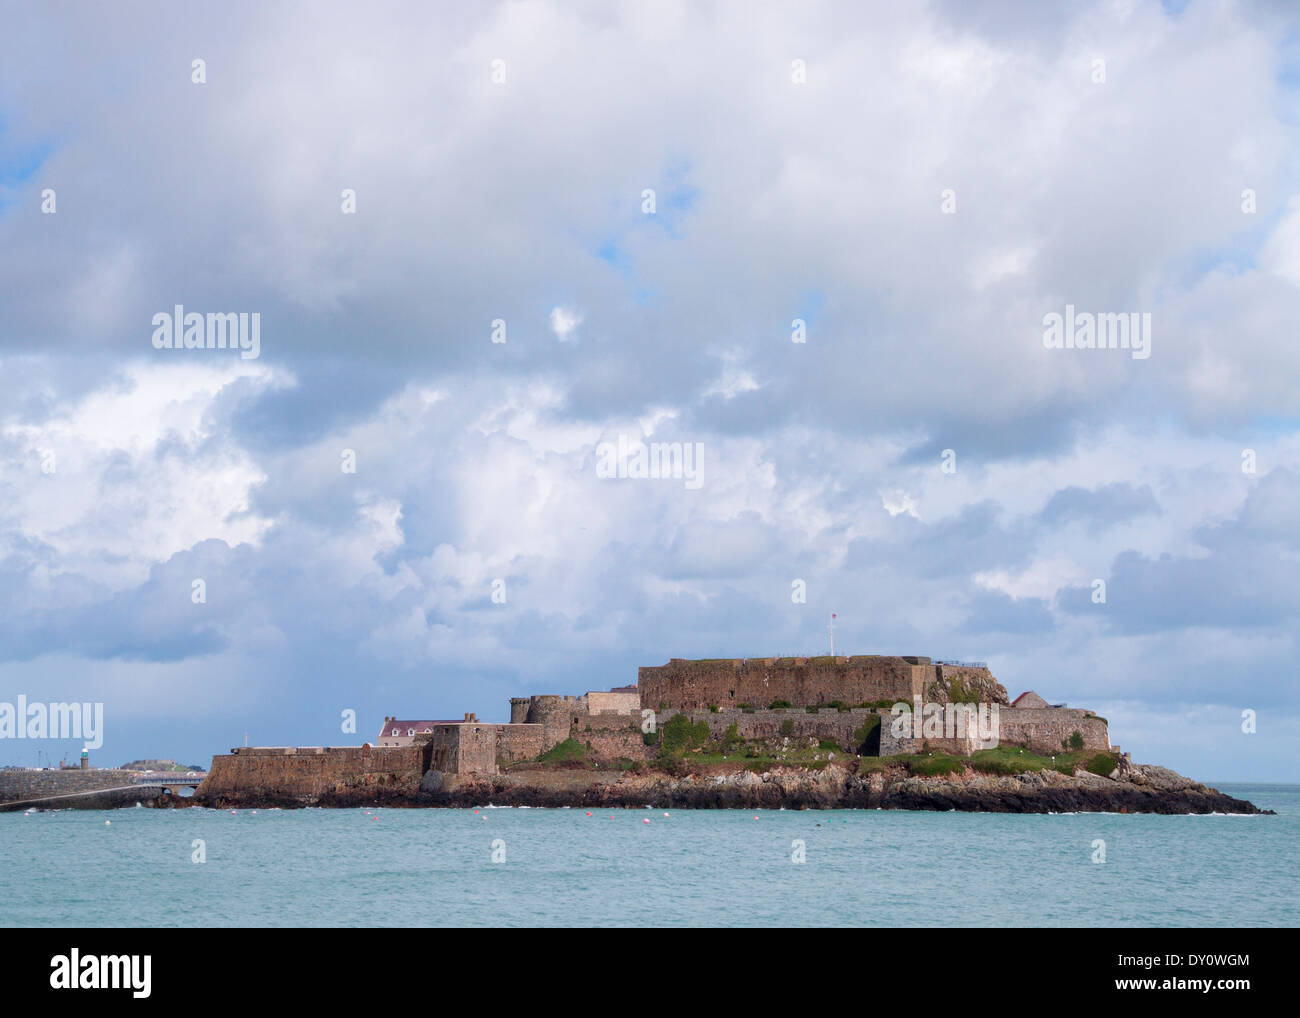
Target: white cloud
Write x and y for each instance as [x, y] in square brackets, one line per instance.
[564, 322]
[775, 201]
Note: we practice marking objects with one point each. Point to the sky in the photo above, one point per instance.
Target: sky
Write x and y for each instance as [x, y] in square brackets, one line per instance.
[817, 244]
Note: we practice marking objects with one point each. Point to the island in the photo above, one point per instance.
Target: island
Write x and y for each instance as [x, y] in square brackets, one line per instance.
[855, 732]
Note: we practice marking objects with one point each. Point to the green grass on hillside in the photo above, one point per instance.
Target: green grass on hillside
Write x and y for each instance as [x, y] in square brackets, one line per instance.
[568, 751]
[1015, 760]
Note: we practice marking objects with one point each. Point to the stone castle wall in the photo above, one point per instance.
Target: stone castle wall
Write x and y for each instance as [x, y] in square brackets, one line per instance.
[480, 747]
[285, 774]
[1045, 729]
[832, 724]
[963, 741]
[470, 746]
[556, 715]
[516, 742]
[620, 738]
[613, 703]
[696, 685]
[612, 736]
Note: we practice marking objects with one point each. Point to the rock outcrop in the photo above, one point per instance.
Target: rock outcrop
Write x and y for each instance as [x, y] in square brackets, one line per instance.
[837, 785]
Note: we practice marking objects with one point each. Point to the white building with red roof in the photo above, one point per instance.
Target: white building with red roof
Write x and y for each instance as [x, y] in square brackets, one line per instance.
[396, 732]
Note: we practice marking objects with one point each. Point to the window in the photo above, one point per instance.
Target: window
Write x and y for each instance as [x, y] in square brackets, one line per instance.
[410, 731]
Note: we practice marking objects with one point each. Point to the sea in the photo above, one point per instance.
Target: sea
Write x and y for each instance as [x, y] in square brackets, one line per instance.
[635, 867]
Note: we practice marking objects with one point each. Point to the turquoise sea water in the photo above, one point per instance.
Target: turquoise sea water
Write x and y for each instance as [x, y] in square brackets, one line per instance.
[562, 867]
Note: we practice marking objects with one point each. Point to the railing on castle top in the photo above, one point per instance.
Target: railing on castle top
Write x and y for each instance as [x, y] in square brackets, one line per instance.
[963, 664]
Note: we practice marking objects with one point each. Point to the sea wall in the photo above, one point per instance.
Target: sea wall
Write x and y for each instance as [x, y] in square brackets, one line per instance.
[16, 785]
[314, 775]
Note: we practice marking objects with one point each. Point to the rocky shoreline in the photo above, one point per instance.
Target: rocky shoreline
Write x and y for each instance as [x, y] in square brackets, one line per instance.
[1130, 789]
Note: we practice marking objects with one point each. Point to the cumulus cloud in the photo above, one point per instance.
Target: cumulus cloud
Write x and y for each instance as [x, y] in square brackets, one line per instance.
[564, 322]
[522, 201]
[1100, 508]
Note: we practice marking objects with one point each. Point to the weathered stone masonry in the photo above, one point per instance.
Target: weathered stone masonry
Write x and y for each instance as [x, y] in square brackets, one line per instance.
[757, 682]
[313, 774]
[609, 724]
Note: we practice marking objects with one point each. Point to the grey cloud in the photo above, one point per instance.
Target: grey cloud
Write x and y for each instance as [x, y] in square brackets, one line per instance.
[1247, 579]
[1098, 508]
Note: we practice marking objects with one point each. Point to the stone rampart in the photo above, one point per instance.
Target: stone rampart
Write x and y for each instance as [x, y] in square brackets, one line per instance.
[612, 736]
[1048, 729]
[335, 775]
[613, 703]
[801, 682]
[518, 742]
[827, 723]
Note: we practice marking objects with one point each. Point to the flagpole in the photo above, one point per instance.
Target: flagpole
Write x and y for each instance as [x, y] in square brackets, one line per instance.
[832, 634]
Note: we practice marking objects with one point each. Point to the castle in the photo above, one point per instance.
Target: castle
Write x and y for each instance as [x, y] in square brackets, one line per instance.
[835, 699]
